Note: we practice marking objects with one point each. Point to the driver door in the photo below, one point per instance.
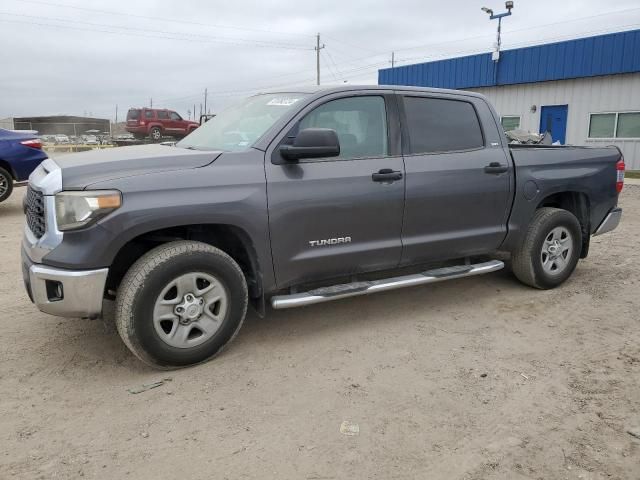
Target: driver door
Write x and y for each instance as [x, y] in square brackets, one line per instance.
[331, 217]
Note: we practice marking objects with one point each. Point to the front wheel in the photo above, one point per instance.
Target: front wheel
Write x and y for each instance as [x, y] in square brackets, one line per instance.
[550, 250]
[181, 304]
[6, 184]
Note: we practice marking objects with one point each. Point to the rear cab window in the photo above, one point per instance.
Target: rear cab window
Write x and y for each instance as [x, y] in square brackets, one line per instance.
[439, 125]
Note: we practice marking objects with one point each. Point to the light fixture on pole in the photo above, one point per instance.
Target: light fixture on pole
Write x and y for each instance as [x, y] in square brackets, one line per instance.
[495, 56]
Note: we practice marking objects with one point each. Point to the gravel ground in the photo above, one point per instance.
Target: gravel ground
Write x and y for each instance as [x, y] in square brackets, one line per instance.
[470, 379]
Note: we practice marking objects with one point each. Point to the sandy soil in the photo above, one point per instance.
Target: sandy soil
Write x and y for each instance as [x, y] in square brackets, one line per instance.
[476, 378]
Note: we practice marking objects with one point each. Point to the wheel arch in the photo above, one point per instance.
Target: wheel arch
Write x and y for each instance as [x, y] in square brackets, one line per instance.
[231, 239]
[579, 205]
[7, 166]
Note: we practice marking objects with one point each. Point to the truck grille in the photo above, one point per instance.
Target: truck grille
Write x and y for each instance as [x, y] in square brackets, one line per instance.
[34, 211]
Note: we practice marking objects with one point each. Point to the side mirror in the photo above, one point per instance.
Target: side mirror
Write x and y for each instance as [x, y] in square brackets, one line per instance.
[312, 143]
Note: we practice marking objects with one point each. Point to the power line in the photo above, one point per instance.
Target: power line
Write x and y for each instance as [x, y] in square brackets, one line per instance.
[164, 34]
[348, 44]
[564, 22]
[332, 61]
[331, 71]
[147, 17]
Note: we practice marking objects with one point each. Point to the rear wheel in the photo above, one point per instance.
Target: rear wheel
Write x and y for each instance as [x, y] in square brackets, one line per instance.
[6, 184]
[155, 134]
[181, 304]
[550, 250]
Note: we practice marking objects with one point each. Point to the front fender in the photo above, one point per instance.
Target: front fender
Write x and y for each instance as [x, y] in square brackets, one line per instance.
[231, 192]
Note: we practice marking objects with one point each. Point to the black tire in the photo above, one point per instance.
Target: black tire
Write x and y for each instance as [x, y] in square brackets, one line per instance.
[155, 134]
[143, 283]
[6, 184]
[527, 260]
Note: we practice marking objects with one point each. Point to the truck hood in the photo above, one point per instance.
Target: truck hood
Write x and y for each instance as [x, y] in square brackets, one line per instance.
[80, 170]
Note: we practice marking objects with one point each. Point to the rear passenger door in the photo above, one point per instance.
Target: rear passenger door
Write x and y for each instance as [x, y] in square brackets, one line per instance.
[458, 178]
[337, 216]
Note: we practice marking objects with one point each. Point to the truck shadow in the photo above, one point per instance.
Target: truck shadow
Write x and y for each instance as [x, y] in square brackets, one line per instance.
[96, 344]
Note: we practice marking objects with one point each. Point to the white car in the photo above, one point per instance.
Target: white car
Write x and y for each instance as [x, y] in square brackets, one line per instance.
[61, 139]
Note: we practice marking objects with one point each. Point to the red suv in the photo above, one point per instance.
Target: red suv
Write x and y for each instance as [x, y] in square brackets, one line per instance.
[156, 123]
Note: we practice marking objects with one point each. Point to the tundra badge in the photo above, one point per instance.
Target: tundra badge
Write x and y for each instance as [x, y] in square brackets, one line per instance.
[329, 241]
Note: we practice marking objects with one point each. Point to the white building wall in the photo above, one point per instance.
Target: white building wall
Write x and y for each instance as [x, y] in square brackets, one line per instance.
[611, 93]
[6, 123]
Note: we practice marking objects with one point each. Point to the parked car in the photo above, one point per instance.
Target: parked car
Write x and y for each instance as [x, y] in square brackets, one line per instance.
[91, 140]
[61, 138]
[20, 154]
[301, 198]
[156, 123]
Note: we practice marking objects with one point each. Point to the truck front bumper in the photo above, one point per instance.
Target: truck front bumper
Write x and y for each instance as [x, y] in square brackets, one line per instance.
[610, 222]
[62, 292]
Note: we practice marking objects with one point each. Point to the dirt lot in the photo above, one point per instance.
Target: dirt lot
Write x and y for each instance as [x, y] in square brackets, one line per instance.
[477, 378]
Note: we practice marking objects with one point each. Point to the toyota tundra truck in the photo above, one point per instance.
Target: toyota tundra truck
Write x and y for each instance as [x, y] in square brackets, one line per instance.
[296, 198]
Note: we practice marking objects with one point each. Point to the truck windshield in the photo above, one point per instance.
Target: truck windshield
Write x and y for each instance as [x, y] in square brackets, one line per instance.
[239, 126]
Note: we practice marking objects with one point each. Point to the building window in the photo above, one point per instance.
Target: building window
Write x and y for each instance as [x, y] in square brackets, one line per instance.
[614, 125]
[510, 122]
[602, 125]
[628, 125]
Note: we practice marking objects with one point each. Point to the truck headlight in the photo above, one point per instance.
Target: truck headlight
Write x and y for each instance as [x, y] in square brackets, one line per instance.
[79, 209]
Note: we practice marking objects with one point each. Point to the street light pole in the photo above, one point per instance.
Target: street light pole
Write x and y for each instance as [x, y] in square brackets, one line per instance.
[495, 56]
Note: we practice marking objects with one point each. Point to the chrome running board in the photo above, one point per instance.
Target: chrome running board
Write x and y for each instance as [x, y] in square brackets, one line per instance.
[336, 292]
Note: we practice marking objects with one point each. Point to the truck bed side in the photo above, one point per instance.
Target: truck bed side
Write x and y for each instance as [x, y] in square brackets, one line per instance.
[546, 174]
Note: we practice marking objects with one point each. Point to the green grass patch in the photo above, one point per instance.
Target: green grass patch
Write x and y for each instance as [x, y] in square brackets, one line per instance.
[632, 174]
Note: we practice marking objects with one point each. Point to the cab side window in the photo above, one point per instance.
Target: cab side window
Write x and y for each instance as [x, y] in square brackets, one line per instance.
[175, 116]
[360, 122]
[438, 125]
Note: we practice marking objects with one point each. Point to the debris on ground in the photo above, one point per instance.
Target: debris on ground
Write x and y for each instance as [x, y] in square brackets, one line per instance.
[634, 432]
[148, 386]
[350, 429]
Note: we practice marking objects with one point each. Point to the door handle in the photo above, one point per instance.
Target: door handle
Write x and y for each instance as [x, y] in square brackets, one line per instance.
[495, 167]
[386, 175]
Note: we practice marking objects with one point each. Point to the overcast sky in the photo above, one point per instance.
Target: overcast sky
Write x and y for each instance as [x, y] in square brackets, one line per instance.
[79, 57]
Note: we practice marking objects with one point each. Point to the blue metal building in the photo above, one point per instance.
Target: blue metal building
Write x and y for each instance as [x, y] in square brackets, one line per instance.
[583, 91]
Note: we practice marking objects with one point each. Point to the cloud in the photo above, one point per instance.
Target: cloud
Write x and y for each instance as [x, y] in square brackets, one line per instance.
[70, 60]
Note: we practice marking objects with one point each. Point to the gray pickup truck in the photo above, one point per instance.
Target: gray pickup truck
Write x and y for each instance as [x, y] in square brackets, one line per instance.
[303, 197]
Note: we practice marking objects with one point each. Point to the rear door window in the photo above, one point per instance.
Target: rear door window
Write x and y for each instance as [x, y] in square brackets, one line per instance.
[162, 115]
[148, 114]
[441, 125]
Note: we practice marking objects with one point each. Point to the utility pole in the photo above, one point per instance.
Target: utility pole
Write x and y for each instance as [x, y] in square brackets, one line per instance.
[151, 102]
[317, 49]
[393, 59]
[205, 101]
[194, 111]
